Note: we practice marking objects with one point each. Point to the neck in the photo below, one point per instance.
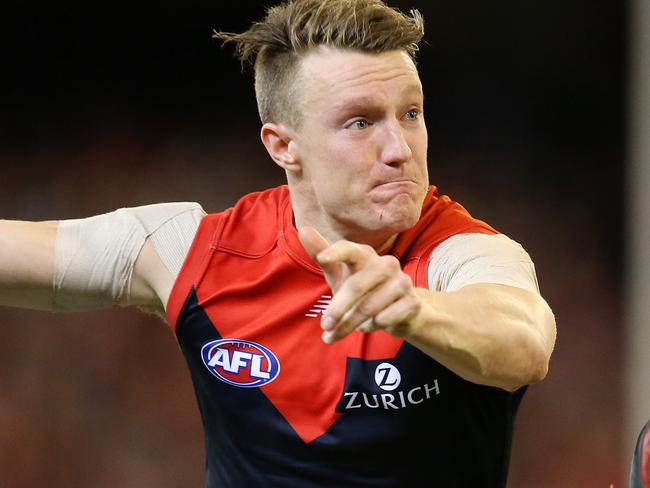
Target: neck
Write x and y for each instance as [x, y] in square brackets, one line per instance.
[334, 230]
[380, 242]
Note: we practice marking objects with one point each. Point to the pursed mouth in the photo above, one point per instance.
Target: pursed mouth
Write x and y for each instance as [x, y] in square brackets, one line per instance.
[396, 183]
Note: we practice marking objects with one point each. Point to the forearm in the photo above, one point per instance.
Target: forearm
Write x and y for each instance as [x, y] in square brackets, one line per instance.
[27, 263]
[489, 334]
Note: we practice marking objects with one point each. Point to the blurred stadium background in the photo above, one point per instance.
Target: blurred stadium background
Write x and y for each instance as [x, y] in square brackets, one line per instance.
[110, 104]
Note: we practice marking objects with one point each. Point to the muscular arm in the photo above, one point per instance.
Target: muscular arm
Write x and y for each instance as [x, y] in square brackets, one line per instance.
[102, 261]
[487, 333]
[27, 260]
[27, 263]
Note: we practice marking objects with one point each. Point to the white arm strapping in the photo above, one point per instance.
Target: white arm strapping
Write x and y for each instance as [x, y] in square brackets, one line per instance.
[95, 256]
[466, 259]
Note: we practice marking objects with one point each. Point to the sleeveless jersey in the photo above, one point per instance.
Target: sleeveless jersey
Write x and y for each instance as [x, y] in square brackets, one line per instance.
[281, 408]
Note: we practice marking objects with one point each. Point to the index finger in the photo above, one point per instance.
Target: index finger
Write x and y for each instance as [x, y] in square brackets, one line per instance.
[346, 252]
[314, 243]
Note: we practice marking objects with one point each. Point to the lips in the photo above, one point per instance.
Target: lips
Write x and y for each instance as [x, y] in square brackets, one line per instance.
[389, 190]
[397, 184]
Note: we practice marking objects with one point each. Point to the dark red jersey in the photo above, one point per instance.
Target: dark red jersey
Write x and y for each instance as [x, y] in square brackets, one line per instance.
[283, 409]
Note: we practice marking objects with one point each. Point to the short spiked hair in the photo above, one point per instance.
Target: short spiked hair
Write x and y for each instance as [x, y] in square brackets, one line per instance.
[275, 45]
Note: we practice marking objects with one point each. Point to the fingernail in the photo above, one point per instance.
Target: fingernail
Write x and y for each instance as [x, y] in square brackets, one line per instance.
[323, 257]
[328, 323]
[328, 336]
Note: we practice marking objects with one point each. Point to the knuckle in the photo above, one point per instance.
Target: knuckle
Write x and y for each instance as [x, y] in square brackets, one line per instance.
[333, 314]
[354, 286]
[413, 304]
[404, 283]
[390, 262]
[380, 321]
[365, 248]
[394, 263]
[409, 301]
[366, 308]
[339, 245]
[387, 266]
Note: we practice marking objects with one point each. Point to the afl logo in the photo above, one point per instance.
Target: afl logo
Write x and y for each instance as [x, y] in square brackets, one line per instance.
[240, 363]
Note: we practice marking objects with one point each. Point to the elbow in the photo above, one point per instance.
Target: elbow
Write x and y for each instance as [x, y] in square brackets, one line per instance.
[536, 349]
[526, 370]
[532, 371]
[528, 378]
[538, 371]
[527, 363]
[543, 346]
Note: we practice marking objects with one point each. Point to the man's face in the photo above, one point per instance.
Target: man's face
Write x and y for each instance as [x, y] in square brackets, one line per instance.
[362, 142]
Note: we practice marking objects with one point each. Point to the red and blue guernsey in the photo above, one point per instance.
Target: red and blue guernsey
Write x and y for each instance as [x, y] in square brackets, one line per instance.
[281, 408]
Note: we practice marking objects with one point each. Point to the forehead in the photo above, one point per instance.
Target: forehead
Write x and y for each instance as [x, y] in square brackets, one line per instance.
[329, 74]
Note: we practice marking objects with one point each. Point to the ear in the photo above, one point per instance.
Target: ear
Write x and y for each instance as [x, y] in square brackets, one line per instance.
[279, 142]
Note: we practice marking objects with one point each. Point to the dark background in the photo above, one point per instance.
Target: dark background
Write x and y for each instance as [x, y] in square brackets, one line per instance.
[110, 104]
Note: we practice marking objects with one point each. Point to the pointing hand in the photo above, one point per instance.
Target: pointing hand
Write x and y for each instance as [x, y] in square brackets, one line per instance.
[370, 292]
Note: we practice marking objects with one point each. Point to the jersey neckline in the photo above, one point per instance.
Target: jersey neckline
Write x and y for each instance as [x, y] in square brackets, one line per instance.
[295, 249]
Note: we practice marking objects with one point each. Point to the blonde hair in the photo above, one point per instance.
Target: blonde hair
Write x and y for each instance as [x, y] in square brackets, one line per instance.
[275, 45]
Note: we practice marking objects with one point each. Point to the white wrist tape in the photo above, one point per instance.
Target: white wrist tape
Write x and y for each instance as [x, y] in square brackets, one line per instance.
[95, 256]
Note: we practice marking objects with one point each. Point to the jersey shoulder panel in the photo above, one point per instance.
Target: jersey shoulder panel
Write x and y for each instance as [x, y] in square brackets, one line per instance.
[251, 228]
[248, 229]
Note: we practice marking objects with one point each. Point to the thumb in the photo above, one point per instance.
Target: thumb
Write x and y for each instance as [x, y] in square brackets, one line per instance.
[314, 243]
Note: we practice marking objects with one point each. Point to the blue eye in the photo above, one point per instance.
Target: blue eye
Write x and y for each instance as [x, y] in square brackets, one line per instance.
[360, 124]
[412, 115]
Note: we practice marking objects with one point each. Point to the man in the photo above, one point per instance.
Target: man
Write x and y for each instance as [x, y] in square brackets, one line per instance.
[353, 328]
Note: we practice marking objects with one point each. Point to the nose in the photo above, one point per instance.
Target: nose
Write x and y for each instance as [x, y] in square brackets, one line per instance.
[395, 150]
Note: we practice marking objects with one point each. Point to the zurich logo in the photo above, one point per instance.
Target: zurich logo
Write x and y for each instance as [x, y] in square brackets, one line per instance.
[240, 363]
[387, 376]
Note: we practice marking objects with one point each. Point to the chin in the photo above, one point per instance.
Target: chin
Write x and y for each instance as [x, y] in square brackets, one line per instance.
[398, 212]
[397, 220]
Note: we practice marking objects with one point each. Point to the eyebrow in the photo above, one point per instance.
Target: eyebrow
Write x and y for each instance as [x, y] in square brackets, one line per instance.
[365, 103]
[413, 89]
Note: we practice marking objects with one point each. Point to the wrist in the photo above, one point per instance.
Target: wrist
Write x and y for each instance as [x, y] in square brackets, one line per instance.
[412, 326]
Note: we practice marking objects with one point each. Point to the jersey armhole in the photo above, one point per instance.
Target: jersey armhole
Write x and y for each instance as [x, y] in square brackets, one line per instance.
[194, 266]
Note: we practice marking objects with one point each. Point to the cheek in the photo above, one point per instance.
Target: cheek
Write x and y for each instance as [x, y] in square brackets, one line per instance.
[341, 164]
[419, 144]
[419, 150]
[337, 167]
